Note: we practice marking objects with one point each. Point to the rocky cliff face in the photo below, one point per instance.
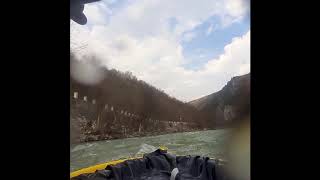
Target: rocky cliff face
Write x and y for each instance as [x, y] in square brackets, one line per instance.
[228, 105]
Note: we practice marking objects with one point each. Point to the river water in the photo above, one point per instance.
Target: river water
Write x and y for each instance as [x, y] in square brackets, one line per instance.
[205, 143]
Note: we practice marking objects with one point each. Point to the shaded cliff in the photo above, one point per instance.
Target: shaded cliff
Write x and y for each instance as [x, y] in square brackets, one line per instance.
[230, 104]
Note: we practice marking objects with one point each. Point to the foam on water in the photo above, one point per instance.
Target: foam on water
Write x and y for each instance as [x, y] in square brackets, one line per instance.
[145, 148]
[81, 147]
[203, 143]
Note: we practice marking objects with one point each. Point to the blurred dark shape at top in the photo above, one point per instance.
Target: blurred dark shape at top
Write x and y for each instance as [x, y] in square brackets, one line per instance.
[76, 10]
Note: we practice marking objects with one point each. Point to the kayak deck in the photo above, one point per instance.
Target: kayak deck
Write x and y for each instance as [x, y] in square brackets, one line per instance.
[94, 168]
[156, 165]
[102, 166]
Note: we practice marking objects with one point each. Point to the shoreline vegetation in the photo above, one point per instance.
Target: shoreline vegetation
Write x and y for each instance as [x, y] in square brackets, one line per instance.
[141, 135]
[85, 130]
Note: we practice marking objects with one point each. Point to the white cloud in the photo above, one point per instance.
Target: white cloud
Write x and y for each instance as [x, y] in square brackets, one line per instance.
[202, 55]
[237, 8]
[187, 37]
[110, 1]
[138, 38]
[215, 74]
[209, 30]
[235, 54]
[97, 13]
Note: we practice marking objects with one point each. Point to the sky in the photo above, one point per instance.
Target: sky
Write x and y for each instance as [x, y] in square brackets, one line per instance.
[187, 48]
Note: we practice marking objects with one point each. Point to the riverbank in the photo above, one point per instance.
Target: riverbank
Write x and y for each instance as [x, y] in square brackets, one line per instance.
[84, 130]
[89, 123]
[96, 138]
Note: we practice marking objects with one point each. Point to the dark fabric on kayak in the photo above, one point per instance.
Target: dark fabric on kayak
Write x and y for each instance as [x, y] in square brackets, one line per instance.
[158, 165]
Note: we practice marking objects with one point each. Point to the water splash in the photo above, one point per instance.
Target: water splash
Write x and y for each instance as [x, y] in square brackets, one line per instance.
[145, 148]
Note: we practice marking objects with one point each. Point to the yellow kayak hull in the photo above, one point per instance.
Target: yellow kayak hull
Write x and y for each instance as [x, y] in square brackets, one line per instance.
[94, 168]
[102, 166]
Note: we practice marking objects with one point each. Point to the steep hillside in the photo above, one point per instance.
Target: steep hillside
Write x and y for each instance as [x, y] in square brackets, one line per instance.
[119, 106]
[229, 104]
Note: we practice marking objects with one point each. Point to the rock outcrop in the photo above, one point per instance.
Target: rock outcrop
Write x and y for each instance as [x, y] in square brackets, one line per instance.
[229, 104]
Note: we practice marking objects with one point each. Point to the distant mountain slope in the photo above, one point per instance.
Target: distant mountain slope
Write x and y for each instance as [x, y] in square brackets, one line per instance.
[232, 102]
